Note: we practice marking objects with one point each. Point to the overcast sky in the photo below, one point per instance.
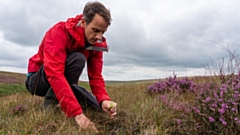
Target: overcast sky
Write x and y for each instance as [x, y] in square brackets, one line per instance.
[148, 39]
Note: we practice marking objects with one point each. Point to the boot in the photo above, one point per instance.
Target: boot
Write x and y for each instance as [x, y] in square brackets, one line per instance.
[50, 101]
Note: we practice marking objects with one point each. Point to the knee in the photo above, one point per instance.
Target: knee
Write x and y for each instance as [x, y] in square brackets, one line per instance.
[80, 60]
[76, 59]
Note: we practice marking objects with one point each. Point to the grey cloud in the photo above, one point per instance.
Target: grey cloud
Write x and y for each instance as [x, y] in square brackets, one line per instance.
[26, 22]
[13, 63]
[157, 35]
[183, 42]
[14, 58]
[17, 27]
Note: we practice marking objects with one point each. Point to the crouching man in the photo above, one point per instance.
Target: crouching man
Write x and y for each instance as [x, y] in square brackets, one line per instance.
[54, 71]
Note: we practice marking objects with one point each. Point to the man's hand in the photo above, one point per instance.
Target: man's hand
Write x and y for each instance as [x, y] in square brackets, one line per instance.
[109, 107]
[84, 122]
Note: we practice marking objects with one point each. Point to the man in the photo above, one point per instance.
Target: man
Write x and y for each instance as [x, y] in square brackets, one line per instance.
[61, 58]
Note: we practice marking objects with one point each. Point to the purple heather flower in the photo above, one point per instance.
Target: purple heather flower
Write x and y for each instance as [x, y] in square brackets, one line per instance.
[18, 109]
[214, 105]
[221, 94]
[237, 86]
[223, 121]
[208, 99]
[196, 109]
[224, 86]
[179, 121]
[215, 95]
[235, 96]
[220, 100]
[213, 109]
[224, 105]
[221, 111]
[211, 119]
[234, 103]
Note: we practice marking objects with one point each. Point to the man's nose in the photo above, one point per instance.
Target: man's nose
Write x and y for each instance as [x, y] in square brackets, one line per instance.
[99, 36]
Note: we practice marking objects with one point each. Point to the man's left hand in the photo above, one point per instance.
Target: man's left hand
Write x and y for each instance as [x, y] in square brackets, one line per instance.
[110, 107]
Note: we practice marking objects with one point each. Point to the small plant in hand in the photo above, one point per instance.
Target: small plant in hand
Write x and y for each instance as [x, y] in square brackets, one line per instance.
[111, 106]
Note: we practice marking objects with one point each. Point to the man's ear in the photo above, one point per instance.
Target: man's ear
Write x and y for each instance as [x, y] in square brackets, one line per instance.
[83, 22]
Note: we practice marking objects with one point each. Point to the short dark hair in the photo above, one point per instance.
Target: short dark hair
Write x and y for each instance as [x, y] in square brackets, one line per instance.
[92, 8]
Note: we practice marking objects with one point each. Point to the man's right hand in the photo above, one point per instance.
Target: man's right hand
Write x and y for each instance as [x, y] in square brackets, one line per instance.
[84, 123]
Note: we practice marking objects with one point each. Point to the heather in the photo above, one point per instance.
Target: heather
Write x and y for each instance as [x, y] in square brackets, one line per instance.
[217, 108]
[203, 105]
[206, 108]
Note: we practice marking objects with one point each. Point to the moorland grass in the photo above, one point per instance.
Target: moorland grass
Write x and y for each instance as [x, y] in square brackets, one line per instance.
[138, 113]
[8, 89]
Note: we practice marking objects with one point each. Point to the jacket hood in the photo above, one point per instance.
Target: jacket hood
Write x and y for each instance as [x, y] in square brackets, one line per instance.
[76, 31]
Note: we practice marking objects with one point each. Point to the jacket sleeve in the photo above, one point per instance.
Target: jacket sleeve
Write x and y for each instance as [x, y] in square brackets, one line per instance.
[96, 81]
[54, 66]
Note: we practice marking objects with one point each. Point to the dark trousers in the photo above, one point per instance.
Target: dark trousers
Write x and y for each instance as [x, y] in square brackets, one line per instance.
[37, 83]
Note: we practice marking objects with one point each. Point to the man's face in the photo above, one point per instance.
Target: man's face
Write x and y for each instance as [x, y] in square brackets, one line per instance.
[95, 29]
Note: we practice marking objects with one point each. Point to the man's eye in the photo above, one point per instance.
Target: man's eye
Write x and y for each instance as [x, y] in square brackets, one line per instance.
[95, 30]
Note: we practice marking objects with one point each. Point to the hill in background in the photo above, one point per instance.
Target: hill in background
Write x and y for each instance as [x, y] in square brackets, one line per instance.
[11, 78]
[19, 78]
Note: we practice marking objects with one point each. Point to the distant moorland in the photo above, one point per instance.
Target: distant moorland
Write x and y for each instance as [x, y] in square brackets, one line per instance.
[172, 106]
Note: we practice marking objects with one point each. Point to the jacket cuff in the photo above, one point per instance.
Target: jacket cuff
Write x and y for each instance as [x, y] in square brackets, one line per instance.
[73, 114]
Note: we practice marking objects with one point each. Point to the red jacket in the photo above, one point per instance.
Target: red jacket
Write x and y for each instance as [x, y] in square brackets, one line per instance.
[52, 53]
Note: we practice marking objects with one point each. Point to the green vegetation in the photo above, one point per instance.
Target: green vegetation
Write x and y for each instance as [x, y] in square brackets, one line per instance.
[138, 113]
[174, 105]
[8, 89]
